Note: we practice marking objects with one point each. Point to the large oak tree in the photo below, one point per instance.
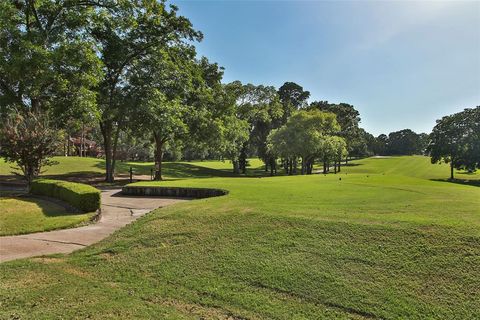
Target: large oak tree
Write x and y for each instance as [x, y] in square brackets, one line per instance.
[47, 61]
[126, 34]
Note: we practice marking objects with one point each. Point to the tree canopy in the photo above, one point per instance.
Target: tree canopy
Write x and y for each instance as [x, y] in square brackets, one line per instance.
[306, 135]
[28, 141]
[47, 63]
[455, 139]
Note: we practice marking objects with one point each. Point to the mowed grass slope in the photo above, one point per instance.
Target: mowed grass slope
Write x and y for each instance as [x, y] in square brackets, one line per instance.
[376, 244]
[21, 214]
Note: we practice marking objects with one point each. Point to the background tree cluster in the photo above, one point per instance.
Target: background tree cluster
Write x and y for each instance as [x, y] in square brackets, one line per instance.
[455, 139]
[403, 142]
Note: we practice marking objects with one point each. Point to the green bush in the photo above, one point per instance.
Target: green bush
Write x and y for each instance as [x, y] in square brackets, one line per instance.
[78, 195]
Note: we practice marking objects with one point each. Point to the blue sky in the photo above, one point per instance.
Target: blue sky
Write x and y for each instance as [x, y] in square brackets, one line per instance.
[401, 64]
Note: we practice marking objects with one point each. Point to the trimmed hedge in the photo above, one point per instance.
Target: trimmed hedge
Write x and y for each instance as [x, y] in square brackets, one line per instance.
[182, 192]
[78, 195]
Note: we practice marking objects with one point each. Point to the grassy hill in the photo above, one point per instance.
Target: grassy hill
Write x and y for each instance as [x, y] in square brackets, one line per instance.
[383, 239]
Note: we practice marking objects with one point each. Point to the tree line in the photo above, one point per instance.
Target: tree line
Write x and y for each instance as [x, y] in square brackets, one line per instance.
[129, 71]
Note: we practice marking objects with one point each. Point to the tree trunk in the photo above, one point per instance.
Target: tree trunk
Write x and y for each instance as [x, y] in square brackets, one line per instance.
[308, 166]
[158, 157]
[114, 151]
[324, 167]
[339, 165]
[83, 140]
[69, 143]
[236, 167]
[290, 163]
[243, 159]
[29, 175]
[106, 129]
[451, 169]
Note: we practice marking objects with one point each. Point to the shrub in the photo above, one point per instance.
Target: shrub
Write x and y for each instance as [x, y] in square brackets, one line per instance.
[78, 195]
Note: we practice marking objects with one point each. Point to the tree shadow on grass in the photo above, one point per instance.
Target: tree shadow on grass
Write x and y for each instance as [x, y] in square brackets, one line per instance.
[475, 183]
[351, 164]
[27, 219]
[49, 207]
[142, 172]
[174, 170]
[180, 170]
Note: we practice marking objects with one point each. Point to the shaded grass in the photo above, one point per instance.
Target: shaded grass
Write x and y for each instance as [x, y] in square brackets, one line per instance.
[76, 167]
[413, 166]
[21, 214]
[373, 245]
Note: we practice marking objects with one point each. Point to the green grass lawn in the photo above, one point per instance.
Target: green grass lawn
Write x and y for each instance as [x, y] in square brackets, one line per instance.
[384, 240]
[19, 215]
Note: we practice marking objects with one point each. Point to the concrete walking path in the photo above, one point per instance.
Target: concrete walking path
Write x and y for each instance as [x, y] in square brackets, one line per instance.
[117, 211]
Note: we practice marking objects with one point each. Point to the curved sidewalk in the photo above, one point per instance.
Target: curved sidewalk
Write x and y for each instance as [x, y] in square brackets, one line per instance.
[117, 211]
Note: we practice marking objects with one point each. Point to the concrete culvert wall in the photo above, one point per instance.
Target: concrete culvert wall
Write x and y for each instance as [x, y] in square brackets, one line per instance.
[180, 192]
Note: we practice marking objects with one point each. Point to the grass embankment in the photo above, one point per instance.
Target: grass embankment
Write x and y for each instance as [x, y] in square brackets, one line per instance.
[22, 214]
[378, 243]
[81, 196]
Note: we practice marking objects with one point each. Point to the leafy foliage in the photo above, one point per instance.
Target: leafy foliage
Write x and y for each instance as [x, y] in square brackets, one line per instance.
[404, 142]
[260, 107]
[127, 34]
[307, 135]
[28, 141]
[349, 119]
[455, 139]
[46, 62]
[293, 98]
